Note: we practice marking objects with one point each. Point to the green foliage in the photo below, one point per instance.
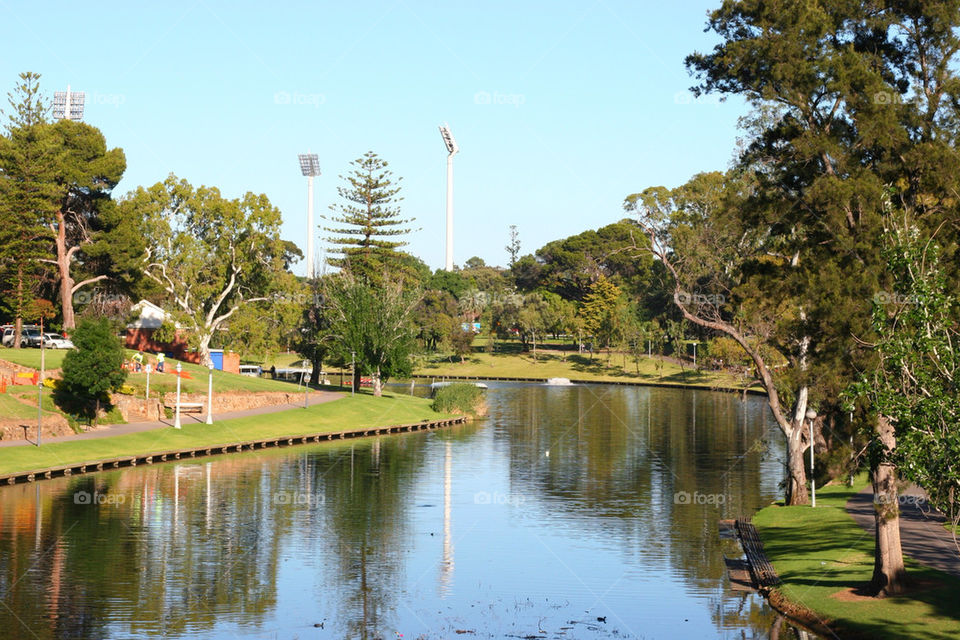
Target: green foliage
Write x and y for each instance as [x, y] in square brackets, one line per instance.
[569, 267]
[91, 371]
[27, 196]
[313, 333]
[917, 385]
[602, 311]
[369, 220]
[372, 323]
[210, 255]
[460, 399]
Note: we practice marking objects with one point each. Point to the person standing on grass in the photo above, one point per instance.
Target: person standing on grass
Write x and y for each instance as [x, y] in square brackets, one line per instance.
[138, 361]
[160, 358]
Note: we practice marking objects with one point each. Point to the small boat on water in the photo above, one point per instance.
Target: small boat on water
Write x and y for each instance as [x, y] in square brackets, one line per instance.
[558, 382]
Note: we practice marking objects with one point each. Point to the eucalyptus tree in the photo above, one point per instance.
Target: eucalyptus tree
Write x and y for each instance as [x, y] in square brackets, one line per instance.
[211, 255]
[719, 269]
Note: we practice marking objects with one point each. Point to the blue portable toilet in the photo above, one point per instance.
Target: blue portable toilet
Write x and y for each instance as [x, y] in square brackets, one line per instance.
[216, 356]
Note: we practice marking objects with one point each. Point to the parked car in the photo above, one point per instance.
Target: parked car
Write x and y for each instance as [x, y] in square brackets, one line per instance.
[56, 341]
[29, 336]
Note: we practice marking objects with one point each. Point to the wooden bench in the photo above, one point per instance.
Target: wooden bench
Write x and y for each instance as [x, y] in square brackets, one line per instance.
[187, 407]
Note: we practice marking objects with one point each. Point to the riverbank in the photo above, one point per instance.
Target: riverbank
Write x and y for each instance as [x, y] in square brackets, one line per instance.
[358, 413]
[579, 368]
[824, 558]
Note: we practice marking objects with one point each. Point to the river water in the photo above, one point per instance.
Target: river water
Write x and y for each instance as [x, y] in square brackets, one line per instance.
[569, 512]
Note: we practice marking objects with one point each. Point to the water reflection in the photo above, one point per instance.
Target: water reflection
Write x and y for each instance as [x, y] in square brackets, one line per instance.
[574, 512]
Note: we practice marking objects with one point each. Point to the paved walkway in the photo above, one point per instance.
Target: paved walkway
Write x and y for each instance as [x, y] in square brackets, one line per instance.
[106, 431]
[922, 534]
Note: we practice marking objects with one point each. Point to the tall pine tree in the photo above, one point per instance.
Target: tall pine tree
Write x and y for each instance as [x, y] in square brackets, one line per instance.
[26, 198]
[367, 241]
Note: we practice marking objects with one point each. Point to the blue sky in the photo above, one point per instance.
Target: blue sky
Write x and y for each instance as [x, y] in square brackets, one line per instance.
[561, 109]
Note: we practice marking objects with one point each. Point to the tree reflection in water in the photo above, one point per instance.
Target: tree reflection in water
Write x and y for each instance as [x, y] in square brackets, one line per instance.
[561, 500]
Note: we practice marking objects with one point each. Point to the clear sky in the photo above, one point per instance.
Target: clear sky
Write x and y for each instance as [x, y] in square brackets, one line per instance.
[561, 109]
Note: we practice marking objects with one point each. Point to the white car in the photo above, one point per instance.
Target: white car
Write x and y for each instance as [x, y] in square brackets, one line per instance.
[56, 341]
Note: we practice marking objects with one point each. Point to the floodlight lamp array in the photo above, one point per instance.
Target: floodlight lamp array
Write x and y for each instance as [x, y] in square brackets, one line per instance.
[309, 164]
[75, 111]
[448, 139]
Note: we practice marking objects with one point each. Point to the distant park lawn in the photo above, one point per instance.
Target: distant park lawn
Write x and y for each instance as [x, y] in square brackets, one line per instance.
[820, 554]
[362, 410]
[570, 364]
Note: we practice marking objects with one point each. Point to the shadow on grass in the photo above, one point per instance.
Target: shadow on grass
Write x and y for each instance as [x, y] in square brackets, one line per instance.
[836, 555]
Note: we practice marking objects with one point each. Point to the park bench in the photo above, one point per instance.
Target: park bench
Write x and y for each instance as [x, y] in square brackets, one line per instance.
[187, 407]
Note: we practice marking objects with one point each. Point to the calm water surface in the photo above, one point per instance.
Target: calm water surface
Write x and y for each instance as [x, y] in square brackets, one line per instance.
[571, 512]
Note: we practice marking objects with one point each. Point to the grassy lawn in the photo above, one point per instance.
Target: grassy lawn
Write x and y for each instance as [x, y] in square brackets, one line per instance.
[363, 410]
[821, 554]
[565, 364]
[53, 358]
[11, 407]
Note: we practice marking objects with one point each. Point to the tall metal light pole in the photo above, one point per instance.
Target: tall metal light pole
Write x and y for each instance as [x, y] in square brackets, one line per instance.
[452, 149]
[310, 167]
[68, 105]
[811, 415]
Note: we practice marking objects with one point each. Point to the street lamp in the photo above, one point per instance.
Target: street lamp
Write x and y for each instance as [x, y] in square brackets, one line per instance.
[306, 384]
[310, 167]
[452, 149]
[353, 375]
[210, 392]
[176, 417]
[68, 105]
[148, 368]
[811, 416]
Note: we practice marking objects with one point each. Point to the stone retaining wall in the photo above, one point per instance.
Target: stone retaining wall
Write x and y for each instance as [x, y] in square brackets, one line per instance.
[138, 409]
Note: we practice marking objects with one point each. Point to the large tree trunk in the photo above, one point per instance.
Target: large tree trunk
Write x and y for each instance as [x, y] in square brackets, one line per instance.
[796, 490]
[356, 379]
[889, 574]
[377, 384]
[203, 349]
[63, 271]
[315, 372]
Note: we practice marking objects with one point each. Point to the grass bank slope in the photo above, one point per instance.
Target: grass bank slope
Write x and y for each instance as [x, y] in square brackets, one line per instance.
[824, 558]
[359, 411]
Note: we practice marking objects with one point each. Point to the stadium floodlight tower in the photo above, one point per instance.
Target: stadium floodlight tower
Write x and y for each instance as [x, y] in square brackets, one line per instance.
[452, 149]
[310, 167]
[68, 105]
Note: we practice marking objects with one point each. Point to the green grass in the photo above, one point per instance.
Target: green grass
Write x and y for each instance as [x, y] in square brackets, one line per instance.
[360, 411]
[27, 357]
[11, 407]
[565, 364]
[822, 552]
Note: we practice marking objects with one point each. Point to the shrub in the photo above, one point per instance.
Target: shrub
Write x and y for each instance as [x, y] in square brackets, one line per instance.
[92, 371]
[460, 399]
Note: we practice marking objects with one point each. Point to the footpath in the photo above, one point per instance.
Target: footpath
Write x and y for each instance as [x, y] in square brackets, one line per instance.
[108, 431]
[922, 534]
